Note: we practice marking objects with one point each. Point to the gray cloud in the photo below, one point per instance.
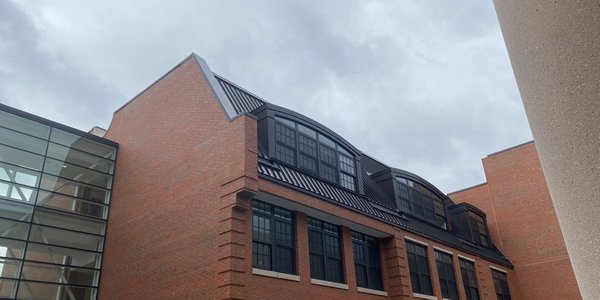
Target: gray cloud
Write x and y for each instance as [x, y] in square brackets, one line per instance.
[421, 85]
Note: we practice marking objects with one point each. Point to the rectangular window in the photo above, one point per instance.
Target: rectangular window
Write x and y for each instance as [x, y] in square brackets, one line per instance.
[272, 238]
[501, 285]
[285, 143]
[467, 270]
[325, 250]
[445, 270]
[419, 268]
[367, 261]
[479, 229]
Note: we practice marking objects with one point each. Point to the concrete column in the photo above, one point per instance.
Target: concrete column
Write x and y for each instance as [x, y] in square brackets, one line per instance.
[554, 48]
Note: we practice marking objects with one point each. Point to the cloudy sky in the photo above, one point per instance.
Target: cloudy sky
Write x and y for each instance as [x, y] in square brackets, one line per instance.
[422, 85]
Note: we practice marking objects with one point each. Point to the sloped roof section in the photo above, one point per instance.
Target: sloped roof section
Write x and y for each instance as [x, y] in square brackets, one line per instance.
[372, 204]
[242, 100]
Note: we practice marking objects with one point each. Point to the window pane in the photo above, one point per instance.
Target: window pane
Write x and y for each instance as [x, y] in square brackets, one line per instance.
[74, 205]
[286, 122]
[22, 141]
[68, 221]
[47, 291]
[285, 135]
[9, 268]
[21, 158]
[347, 181]
[8, 288]
[285, 154]
[307, 131]
[13, 229]
[325, 140]
[24, 125]
[261, 255]
[15, 211]
[329, 173]
[328, 155]
[307, 145]
[80, 158]
[83, 144]
[347, 164]
[261, 229]
[284, 260]
[317, 266]
[17, 192]
[18, 175]
[11, 248]
[76, 189]
[76, 173]
[59, 274]
[63, 256]
[419, 268]
[65, 238]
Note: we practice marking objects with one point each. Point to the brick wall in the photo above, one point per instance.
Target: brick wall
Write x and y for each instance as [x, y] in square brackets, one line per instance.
[180, 166]
[181, 223]
[523, 223]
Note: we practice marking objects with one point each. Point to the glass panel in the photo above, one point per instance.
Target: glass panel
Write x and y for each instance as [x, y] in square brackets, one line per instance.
[63, 256]
[80, 158]
[15, 211]
[17, 192]
[83, 144]
[66, 238]
[309, 132]
[23, 141]
[325, 140]
[7, 288]
[59, 274]
[9, 268]
[67, 221]
[261, 255]
[13, 229]
[24, 125]
[21, 158]
[286, 122]
[75, 189]
[74, 205]
[18, 175]
[11, 248]
[66, 170]
[48, 291]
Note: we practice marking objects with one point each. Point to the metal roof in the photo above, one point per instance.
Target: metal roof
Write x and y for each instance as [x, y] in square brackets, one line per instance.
[242, 100]
[374, 203]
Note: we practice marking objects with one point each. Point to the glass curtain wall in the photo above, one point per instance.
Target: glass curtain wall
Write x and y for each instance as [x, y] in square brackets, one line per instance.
[54, 198]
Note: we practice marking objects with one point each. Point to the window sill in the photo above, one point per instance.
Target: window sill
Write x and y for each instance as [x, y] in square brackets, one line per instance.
[332, 284]
[370, 291]
[422, 296]
[268, 273]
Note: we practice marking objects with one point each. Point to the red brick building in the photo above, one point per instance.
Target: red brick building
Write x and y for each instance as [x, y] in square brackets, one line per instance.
[523, 223]
[220, 195]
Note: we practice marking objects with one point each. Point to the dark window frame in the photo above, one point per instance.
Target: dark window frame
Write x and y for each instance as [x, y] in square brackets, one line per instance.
[419, 201]
[273, 214]
[419, 269]
[479, 229]
[469, 278]
[501, 285]
[447, 277]
[331, 171]
[326, 232]
[367, 257]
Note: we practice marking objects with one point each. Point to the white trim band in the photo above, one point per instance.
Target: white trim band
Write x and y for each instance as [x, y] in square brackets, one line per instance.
[370, 291]
[443, 250]
[279, 275]
[416, 241]
[336, 285]
[422, 296]
[498, 269]
[466, 258]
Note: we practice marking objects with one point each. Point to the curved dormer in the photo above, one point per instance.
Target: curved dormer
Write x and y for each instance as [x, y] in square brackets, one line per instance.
[469, 223]
[413, 195]
[300, 142]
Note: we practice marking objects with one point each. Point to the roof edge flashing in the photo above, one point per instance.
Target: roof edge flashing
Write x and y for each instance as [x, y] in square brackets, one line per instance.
[216, 88]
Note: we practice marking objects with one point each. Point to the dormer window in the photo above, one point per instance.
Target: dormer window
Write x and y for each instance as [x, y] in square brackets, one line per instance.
[311, 151]
[479, 230]
[419, 201]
